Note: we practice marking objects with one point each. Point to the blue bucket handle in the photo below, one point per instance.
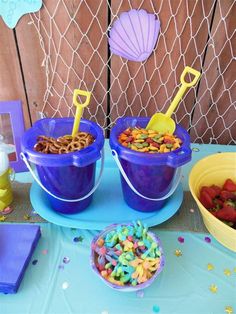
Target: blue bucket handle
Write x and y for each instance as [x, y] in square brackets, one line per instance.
[172, 190]
[23, 156]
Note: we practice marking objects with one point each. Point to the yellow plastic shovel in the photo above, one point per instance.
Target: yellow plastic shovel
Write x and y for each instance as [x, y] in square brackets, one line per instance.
[79, 108]
[162, 122]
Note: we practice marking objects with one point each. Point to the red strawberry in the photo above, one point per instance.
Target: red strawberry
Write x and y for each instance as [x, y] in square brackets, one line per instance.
[226, 195]
[206, 200]
[229, 185]
[209, 190]
[227, 213]
[217, 189]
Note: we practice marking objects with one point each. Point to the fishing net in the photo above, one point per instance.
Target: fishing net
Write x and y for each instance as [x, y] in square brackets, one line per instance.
[74, 39]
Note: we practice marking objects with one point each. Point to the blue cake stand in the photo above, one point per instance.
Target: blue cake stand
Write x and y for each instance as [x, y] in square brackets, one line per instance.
[106, 208]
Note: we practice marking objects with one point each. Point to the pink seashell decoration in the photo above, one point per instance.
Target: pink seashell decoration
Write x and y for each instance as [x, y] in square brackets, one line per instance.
[133, 36]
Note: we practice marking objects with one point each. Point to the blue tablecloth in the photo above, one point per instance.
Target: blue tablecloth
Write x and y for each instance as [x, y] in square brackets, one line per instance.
[59, 280]
[53, 286]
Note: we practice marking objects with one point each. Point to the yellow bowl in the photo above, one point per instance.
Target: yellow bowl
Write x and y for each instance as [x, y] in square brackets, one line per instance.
[214, 169]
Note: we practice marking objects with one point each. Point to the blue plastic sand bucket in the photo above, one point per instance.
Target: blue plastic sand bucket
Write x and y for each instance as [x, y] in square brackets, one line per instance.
[68, 179]
[148, 180]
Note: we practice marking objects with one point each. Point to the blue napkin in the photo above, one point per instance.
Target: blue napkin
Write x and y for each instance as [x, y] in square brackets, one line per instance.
[17, 243]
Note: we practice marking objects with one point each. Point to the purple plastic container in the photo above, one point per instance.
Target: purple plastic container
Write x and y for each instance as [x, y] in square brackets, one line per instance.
[68, 176]
[126, 288]
[152, 175]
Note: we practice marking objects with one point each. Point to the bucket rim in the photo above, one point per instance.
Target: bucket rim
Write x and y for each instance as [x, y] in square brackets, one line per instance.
[83, 157]
[175, 158]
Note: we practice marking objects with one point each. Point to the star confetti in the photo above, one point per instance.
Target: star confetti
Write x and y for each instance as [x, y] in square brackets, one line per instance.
[213, 288]
[195, 149]
[65, 285]
[181, 239]
[210, 266]
[66, 260]
[227, 272]
[229, 310]
[155, 309]
[3, 218]
[178, 253]
[78, 239]
[27, 217]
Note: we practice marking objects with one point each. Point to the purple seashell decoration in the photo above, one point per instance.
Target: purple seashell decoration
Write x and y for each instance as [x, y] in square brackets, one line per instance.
[134, 34]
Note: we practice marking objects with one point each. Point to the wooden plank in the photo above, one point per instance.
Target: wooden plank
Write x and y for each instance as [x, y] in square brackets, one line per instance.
[32, 57]
[150, 86]
[12, 87]
[76, 61]
[215, 114]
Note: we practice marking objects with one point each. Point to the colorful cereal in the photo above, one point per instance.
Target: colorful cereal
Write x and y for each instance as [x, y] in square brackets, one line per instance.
[149, 141]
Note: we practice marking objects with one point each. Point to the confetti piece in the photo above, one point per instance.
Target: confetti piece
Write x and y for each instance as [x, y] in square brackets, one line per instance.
[78, 239]
[155, 309]
[195, 149]
[27, 217]
[178, 253]
[44, 252]
[227, 272]
[140, 293]
[61, 267]
[35, 261]
[65, 285]
[208, 240]
[181, 239]
[210, 266]
[34, 213]
[3, 218]
[213, 288]
[192, 210]
[229, 310]
[66, 260]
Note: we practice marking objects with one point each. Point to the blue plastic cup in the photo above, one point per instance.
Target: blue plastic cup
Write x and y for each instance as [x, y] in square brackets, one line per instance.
[68, 179]
[148, 180]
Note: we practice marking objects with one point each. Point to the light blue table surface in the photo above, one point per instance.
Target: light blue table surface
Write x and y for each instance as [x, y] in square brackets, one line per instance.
[51, 286]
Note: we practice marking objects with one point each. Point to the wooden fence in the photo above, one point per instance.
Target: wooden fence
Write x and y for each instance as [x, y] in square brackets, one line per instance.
[22, 75]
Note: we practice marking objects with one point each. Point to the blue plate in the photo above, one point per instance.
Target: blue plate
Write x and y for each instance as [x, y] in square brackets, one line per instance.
[106, 208]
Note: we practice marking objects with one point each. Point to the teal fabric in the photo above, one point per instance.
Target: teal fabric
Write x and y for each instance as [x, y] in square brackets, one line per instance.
[12, 10]
[182, 287]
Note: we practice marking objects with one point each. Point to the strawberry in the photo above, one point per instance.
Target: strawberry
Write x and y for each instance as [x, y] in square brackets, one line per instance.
[229, 185]
[227, 213]
[217, 189]
[209, 190]
[206, 200]
[226, 195]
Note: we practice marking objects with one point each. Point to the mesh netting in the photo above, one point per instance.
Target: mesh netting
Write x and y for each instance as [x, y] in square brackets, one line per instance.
[73, 36]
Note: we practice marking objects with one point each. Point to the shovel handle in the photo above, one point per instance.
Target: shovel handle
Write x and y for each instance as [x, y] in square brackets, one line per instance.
[184, 86]
[79, 107]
